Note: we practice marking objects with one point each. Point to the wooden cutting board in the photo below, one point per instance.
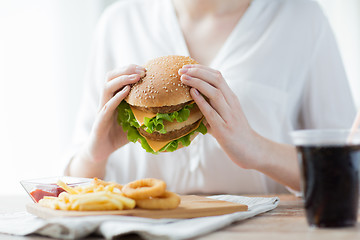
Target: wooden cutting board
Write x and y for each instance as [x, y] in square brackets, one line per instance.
[191, 206]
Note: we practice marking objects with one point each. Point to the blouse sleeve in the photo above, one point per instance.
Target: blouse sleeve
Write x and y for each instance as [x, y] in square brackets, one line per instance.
[327, 101]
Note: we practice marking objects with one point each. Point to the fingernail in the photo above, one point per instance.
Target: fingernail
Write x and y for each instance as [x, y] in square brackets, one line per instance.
[185, 77]
[196, 91]
[182, 71]
[133, 76]
[125, 88]
[140, 70]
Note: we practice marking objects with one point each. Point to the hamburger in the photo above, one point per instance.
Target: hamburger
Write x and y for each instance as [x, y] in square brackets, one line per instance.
[159, 111]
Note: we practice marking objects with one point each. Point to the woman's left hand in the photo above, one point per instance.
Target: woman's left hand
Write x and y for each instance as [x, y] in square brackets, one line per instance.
[227, 123]
[222, 110]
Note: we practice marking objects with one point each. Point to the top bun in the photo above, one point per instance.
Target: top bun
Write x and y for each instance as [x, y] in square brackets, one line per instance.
[161, 85]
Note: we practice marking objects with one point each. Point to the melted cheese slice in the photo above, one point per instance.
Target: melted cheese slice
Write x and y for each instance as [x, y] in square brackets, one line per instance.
[157, 145]
[140, 115]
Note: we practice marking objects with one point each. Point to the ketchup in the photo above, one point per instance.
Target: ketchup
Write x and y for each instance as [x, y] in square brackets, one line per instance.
[39, 193]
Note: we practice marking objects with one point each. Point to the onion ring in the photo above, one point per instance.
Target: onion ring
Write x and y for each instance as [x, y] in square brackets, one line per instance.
[144, 188]
[168, 200]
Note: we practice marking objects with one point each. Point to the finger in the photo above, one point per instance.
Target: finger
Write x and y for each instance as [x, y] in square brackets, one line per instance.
[113, 86]
[118, 83]
[108, 109]
[206, 75]
[215, 96]
[212, 117]
[126, 70]
[201, 67]
[204, 87]
[210, 76]
[207, 125]
[205, 122]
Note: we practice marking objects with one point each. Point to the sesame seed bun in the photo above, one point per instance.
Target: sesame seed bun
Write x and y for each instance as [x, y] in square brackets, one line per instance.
[161, 85]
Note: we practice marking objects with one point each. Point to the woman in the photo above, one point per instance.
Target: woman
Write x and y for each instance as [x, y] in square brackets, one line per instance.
[267, 67]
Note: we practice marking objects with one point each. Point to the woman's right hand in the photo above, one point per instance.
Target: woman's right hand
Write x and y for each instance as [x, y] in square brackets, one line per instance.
[107, 135]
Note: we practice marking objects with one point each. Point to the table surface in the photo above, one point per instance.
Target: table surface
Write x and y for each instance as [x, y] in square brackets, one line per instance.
[286, 222]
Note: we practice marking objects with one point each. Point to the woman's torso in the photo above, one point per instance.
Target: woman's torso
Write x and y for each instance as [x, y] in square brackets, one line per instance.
[264, 60]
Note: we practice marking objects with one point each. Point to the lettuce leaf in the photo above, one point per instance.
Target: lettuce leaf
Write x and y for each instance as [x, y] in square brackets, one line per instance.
[126, 117]
[129, 124]
[157, 123]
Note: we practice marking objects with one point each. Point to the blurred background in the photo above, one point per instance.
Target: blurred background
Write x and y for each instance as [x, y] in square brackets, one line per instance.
[44, 49]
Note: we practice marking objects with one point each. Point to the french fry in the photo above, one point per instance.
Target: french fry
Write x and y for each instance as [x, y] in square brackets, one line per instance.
[99, 188]
[49, 197]
[63, 206]
[45, 202]
[117, 190]
[128, 202]
[64, 196]
[109, 188]
[66, 187]
[97, 207]
[92, 199]
[84, 189]
[103, 183]
[119, 205]
[93, 195]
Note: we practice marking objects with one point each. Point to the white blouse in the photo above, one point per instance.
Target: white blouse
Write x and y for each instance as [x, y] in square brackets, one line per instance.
[281, 60]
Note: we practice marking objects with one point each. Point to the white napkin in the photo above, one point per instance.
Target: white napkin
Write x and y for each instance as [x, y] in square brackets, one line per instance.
[23, 223]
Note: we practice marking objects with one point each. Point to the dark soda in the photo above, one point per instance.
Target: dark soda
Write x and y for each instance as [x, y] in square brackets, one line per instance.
[330, 182]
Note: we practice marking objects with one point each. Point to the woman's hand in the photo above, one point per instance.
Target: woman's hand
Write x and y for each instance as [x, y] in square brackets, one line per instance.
[221, 108]
[106, 134]
[228, 124]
